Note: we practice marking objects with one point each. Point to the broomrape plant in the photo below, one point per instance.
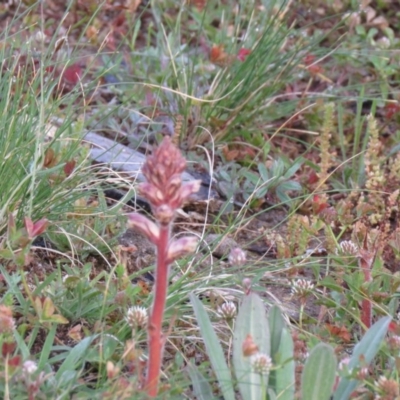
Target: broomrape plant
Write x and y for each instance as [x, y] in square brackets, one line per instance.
[166, 193]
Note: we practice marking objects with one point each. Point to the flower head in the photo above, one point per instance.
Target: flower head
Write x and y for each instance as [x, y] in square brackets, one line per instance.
[388, 387]
[137, 317]
[301, 288]
[29, 367]
[163, 187]
[237, 257]
[227, 310]
[261, 363]
[347, 248]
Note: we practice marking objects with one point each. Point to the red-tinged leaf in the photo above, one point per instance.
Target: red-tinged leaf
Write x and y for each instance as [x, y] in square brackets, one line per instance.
[309, 59]
[49, 158]
[321, 207]
[39, 227]
[318, 205]
[394, 327]
[312, 178]
[119, 20]
[15, 361]
[69, 167]
[11, 227]
[48, 308]
[29, 226]
[8, 348]
[57, 319]
[243, 53]
[315, 69]
[219, 57]
[391, 109]
[75, 333]
[340, 332]
[72, 74]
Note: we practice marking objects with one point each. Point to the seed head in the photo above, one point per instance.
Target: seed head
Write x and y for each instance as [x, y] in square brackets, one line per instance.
[227, 311]
[137, 317]
[261, 363]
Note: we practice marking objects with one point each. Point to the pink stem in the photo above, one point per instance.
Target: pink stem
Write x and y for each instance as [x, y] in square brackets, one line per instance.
[154, 330]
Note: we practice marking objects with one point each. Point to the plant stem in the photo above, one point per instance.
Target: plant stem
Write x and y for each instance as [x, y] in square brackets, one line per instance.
[366, 305]
[154, 330]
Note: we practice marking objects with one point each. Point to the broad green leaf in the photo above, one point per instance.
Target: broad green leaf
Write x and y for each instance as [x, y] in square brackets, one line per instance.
[319, 373]
[201, 388]
[284, 377]
[47, 347]
[76, 356]
[48, 308]
[276, 325]
[289, 185]
[214, 349]
[262, 169]
[293, 169]
[251, 320]
[365, 350]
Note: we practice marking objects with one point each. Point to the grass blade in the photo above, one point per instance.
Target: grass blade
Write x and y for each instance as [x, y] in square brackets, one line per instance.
[47, 347]
[76, 355]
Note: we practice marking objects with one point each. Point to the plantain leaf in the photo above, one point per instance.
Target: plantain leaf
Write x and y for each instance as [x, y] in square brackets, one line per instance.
[319, 373]
[276, 325]
[365, 350]
[251, 320]
[214, 349]
[284, 377]
[201, 388]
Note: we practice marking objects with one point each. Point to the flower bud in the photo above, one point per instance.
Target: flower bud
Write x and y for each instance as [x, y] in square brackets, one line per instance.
[145, 226]
[164, 214]
[181, 247]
